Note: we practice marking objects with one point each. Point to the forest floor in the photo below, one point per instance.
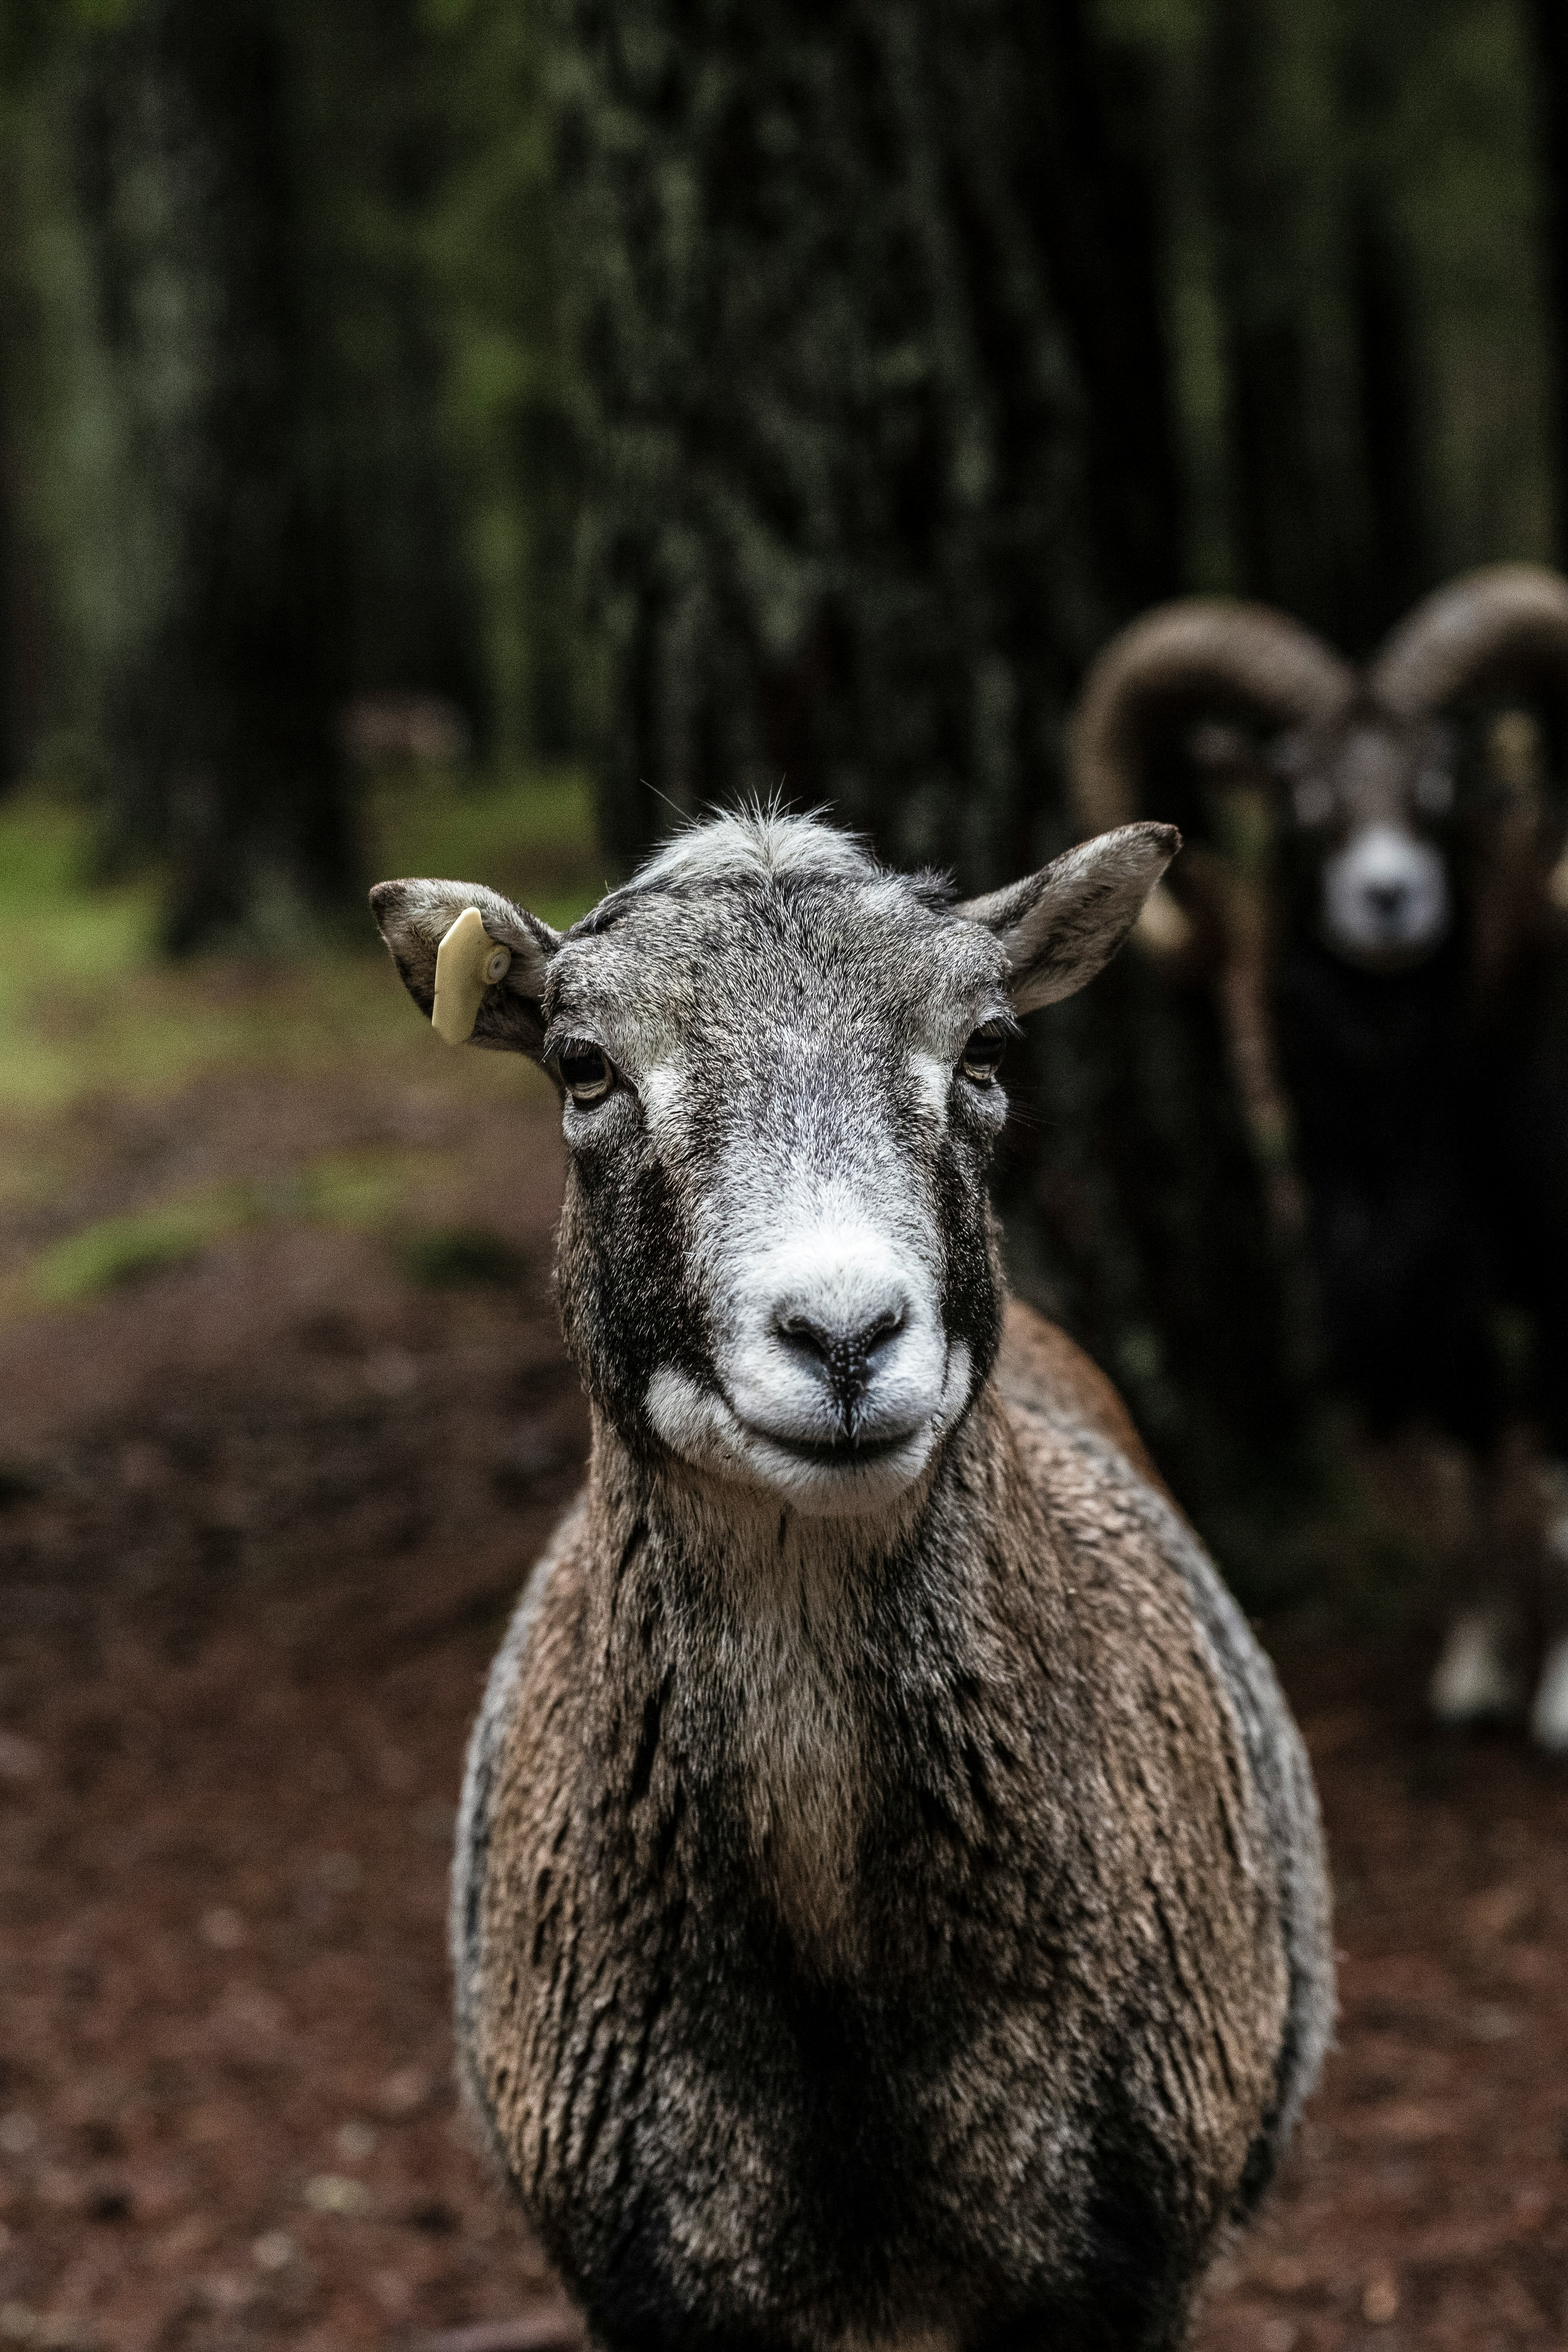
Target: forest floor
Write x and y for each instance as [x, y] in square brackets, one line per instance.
[283, 1418]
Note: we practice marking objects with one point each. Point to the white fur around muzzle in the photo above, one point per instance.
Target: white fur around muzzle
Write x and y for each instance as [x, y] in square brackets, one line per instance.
[770, 1398]
[1385, 893]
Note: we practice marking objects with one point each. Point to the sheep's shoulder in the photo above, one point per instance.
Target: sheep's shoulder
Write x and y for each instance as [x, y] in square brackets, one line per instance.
[1178, 1723]
[1049, 1375]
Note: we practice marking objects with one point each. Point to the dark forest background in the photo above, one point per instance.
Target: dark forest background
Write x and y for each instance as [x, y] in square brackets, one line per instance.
[732, 398]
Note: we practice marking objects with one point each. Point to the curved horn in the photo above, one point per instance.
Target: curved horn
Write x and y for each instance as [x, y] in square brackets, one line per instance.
[1202, 650]
[1481, 628]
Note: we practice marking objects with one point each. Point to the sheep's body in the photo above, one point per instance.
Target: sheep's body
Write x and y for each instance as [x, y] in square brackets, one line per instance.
[936, 1952]
[1388, 1089]
[890, 1906]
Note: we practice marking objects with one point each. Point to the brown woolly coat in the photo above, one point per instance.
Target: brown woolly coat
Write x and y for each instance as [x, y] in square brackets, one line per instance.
[880, 1937]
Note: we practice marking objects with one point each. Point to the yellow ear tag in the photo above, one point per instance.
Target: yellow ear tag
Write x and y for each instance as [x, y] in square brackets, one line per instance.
[467, 961]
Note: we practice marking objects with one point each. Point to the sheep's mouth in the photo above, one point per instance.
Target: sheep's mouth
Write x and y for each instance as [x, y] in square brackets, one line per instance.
[833, 1452]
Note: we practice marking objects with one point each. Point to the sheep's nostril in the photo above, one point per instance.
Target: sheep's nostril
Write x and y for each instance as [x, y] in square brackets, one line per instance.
[887, 1327]
[845, 1356]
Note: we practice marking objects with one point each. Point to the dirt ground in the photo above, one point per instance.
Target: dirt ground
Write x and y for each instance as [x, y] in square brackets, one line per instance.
[261, 1515]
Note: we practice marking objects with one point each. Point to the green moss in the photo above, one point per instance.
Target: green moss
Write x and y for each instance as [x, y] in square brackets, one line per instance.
[460, 1255]
[527, 832]
[119, 1250]
[360, 1190]
[86, 1006]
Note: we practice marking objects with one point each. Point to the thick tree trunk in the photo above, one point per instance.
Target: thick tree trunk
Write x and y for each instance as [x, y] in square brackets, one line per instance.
[1549, 22]
[219, 711]
[1088, 192]
[879, 448]
[1135, 1215]
[371, 130]
[1399, 564]
[1282, 514]
[1325, 428]
[14, 620]
[860, 382]
[494, 235]
[12, 744]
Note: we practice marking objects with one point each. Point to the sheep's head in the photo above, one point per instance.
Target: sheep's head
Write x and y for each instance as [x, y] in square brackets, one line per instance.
[778, 1068]
[1362, 770]
[1367, 819]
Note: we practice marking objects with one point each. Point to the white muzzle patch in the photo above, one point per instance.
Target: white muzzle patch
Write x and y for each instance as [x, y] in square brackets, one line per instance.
[1386, 893]
[835, 1377]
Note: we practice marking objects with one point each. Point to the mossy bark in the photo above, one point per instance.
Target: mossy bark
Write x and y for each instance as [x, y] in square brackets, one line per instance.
[219, 699]
[1549, 28]
[879, 443]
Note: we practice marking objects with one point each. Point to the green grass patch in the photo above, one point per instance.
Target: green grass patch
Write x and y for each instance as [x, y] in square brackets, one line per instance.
[461, 1257]
[123, 1249]
[355, 1189]
[86, 1005]
[527, 833]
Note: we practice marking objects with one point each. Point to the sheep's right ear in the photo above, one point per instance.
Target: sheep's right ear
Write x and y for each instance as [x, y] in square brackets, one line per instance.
[1061, 925]
[469, 959]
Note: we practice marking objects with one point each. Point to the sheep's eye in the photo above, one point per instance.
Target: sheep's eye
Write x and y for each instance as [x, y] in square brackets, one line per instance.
[981, 1056]
[585, 1072]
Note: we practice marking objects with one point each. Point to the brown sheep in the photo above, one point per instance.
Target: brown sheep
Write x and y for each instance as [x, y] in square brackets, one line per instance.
[889, 1906]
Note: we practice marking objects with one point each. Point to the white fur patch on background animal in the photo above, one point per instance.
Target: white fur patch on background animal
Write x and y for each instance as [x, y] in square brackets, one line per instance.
[1476, 1679]
[1385, 893]
[1549, 1710]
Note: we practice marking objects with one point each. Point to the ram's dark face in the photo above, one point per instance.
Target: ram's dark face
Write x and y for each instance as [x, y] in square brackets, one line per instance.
[780, 1079]
[1369, 803]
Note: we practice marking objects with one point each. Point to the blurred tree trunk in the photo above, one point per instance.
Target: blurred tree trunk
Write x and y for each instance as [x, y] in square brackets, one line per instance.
[1282, 510]
[880, 423]
[220, 703]
[1399, 565]
[1324, 427]
[1549, 24]
[493, 241]
[14, 604]
[1087, 193]
[1392, 560]
[373, 132]
[879, 445]
[12, 740]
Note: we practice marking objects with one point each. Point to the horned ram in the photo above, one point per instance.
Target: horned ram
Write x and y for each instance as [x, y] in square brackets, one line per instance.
[1410, 1019]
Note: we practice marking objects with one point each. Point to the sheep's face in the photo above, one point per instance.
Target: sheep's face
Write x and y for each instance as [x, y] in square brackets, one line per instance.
[1369, 805]
[779, 1072]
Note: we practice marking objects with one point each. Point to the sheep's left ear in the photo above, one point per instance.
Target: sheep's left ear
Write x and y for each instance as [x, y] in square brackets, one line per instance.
[1061, 925]
[469, 959]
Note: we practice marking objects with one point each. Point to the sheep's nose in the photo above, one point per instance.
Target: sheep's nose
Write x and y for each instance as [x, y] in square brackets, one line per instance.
[847, 1353]
[1387, 897]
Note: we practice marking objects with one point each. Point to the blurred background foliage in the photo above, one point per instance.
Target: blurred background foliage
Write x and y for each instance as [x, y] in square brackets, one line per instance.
[548, 417]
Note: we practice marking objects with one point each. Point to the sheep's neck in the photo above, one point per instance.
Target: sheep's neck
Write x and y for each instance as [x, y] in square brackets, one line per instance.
[787, 1632]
